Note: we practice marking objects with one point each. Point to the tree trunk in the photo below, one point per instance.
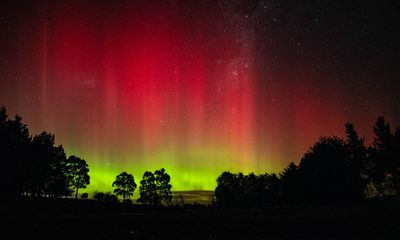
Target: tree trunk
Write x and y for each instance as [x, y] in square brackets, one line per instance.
[76, 193]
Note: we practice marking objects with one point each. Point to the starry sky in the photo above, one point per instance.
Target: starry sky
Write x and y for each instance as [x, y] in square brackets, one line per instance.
[198, 87]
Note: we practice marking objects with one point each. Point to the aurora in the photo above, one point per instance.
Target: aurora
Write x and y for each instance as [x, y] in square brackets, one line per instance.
[196, 88]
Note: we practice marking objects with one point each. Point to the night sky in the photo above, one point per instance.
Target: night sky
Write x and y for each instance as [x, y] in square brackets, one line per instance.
[198, 87]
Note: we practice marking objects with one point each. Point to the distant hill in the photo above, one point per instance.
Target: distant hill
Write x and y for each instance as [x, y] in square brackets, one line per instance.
[196, 196]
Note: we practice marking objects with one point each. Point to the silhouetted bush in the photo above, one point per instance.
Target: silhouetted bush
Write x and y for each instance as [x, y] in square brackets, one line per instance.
[107, 197]
[99, 196]
[110, 198]
[84, 195]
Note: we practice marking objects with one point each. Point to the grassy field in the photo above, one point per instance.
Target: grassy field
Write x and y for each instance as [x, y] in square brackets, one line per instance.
[203, 197]
[87, 219]
[196, 197]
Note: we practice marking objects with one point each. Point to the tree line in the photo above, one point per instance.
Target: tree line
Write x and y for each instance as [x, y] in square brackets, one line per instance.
[154, 190]
[35, 166]
[334, 170]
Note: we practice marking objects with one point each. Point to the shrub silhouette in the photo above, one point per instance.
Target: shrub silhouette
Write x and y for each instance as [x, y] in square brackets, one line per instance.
[99, 196]
[84, 195]
[110, 198]
[107, 197]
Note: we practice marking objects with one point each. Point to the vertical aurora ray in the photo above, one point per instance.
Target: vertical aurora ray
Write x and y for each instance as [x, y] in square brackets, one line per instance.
[151, 93]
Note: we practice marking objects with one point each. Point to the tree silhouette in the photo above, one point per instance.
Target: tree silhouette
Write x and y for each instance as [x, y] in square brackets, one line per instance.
[248, 186]
[14, 154]
[382, 146]
[333, 170]
[162, 180]
[239, 190]
[357, 157]
[40, 165]
[124, 185]
[148, 190]
[30, 165]
[155, 189]
[355, 144]
[57, 183]
[77, 173]
[226, 190]
[327, 173]
[396, 157]
[290, 184]
[272, 186]
[385, 158]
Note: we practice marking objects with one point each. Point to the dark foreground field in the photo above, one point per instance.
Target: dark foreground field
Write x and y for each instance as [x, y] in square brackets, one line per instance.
[69, 219]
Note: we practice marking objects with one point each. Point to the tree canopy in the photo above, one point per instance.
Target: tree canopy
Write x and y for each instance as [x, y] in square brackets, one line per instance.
[124, 185]
[155, 188]
[77, 173]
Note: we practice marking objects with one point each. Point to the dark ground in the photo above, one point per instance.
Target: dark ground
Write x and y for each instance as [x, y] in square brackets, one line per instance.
[87, 219]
